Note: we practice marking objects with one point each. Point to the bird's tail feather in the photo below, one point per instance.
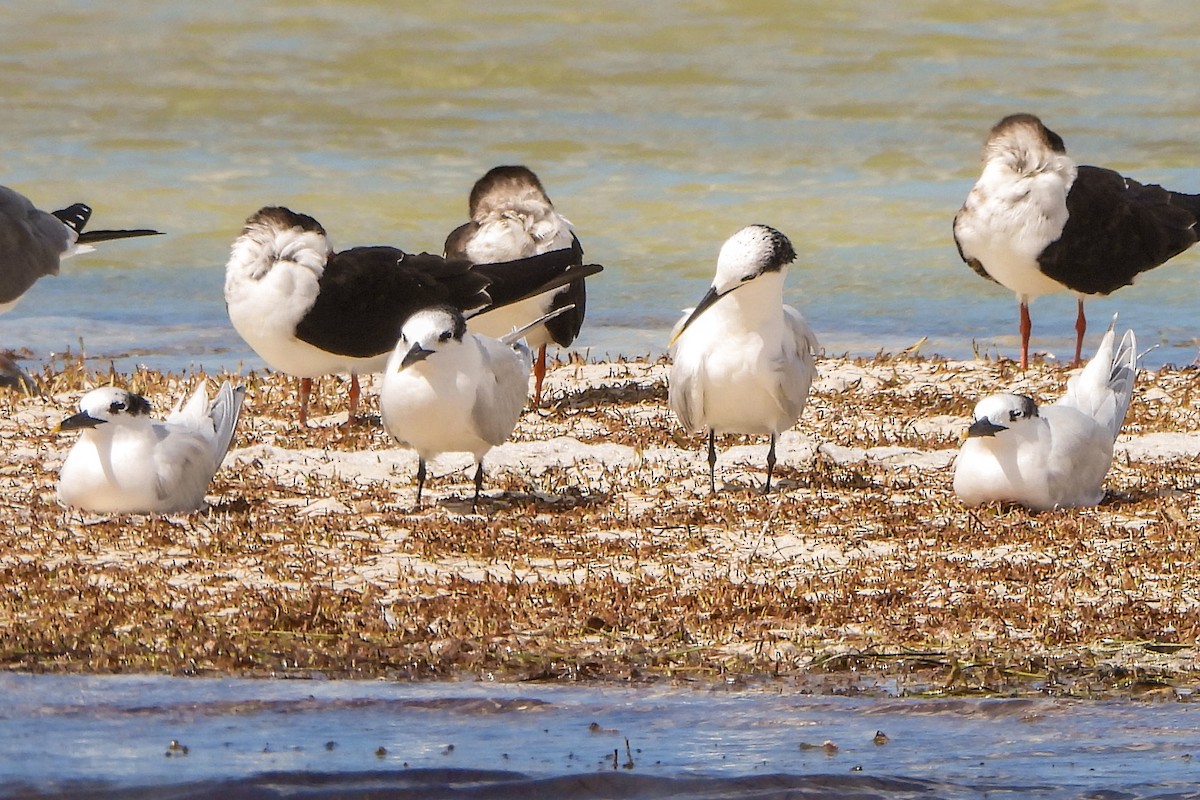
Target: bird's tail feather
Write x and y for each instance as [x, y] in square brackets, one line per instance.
[88, 237]
[513, 281]
[519, 333]
[1105, 386]
[225, 410]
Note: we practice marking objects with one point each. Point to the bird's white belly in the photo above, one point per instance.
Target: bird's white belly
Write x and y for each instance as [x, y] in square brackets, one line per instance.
[92, 479]
[1016, 271]
[1007, 223]
[740, 390]
[431, 416]
[265, 314]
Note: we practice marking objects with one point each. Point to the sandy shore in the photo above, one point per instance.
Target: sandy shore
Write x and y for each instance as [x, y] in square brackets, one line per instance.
[601, 554]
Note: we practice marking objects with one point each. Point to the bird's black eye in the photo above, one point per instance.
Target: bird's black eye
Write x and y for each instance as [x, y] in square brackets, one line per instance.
[117, 407]
[444, 336]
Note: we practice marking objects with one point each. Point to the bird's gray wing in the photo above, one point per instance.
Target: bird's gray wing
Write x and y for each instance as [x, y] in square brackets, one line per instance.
[797, 367]
[225, 410]
[685, 391]
[502, 389]
[183, 466]
[31, 244]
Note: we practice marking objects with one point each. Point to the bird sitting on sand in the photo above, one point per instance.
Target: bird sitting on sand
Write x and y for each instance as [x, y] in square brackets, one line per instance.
[1036, 223]
[742, 361]
[1053, 456]
[126, 462]
[446, 390]
[310, 311]
[512, 218]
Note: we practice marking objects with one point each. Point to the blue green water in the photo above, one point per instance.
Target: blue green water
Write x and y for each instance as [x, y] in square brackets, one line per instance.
[659, 129]
[107, 736]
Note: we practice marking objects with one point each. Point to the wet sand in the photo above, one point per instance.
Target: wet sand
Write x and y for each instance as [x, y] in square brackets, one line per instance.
[599, 552]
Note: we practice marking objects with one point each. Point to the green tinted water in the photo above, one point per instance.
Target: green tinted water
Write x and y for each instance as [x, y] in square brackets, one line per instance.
[659, 129]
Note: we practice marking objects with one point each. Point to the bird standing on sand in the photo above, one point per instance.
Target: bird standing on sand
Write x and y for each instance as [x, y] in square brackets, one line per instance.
[1036, 223]
[742, 361]
[446, 390]
[126, 462]
[1053, 456]
[309, 311]
[512, 218]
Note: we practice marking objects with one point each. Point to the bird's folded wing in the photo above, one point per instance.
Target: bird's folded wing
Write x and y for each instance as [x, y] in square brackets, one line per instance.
[503, 387]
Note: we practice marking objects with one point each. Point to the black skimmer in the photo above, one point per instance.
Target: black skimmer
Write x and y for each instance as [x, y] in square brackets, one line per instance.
[1036, 223]
[741, 360]
[1052, 456]
[309, 311]
[513, 218]
[34, 242]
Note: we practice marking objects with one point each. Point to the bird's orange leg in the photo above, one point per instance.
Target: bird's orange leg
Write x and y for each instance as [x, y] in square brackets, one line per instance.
[1080, 328]
[305, 391]
[539, 375]
[355, 394]
[1026, 329]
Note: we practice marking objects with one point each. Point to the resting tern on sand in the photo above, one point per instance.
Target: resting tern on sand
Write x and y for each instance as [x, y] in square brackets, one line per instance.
[1036, 223]
[742, 361]
[125, 461]
[309, 311]
[512, 218]
[446, 390]
[1053, 456]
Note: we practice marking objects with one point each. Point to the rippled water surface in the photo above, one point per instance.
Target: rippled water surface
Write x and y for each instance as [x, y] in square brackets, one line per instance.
[658, 128]
[107, 736]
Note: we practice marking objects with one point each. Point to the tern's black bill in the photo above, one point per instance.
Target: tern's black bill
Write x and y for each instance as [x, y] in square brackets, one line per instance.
[79, 421]
[984, 427]
[705, 303]
[415, 353]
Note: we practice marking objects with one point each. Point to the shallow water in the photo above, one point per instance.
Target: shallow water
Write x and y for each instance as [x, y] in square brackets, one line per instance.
[658, 128]
[107, 736]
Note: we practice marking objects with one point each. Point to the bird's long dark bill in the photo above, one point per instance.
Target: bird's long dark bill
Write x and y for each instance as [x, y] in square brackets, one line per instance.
[78, 422]
[705, 303]
[416, 353]
[984, 427]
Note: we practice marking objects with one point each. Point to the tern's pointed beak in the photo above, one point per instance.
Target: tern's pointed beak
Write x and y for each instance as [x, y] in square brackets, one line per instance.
[983, 427]
[77, 422]
[705, 303]
[415, 353]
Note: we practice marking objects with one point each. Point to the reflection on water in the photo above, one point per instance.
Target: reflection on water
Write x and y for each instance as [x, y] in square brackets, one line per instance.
[259, 737]
[659, 129]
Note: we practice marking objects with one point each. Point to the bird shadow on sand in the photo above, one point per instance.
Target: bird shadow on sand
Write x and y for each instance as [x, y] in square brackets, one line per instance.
[629, 392]
[520, 501]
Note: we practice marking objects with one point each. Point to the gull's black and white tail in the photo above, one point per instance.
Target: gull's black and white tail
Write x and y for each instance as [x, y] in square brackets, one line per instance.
[76, 217]
[1105, 386]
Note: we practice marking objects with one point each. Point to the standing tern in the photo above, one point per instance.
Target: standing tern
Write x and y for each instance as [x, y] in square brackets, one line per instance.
[1053, 456]
[446, 390]
[309, 311]
[1036, 223]
[742, 361]
[513, 218]
[126, 462]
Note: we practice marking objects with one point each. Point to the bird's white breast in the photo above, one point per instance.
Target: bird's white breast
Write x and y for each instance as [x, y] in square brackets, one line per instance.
[1008, 220]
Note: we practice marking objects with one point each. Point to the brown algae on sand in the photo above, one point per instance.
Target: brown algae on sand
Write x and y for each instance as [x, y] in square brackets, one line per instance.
[600, 553]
